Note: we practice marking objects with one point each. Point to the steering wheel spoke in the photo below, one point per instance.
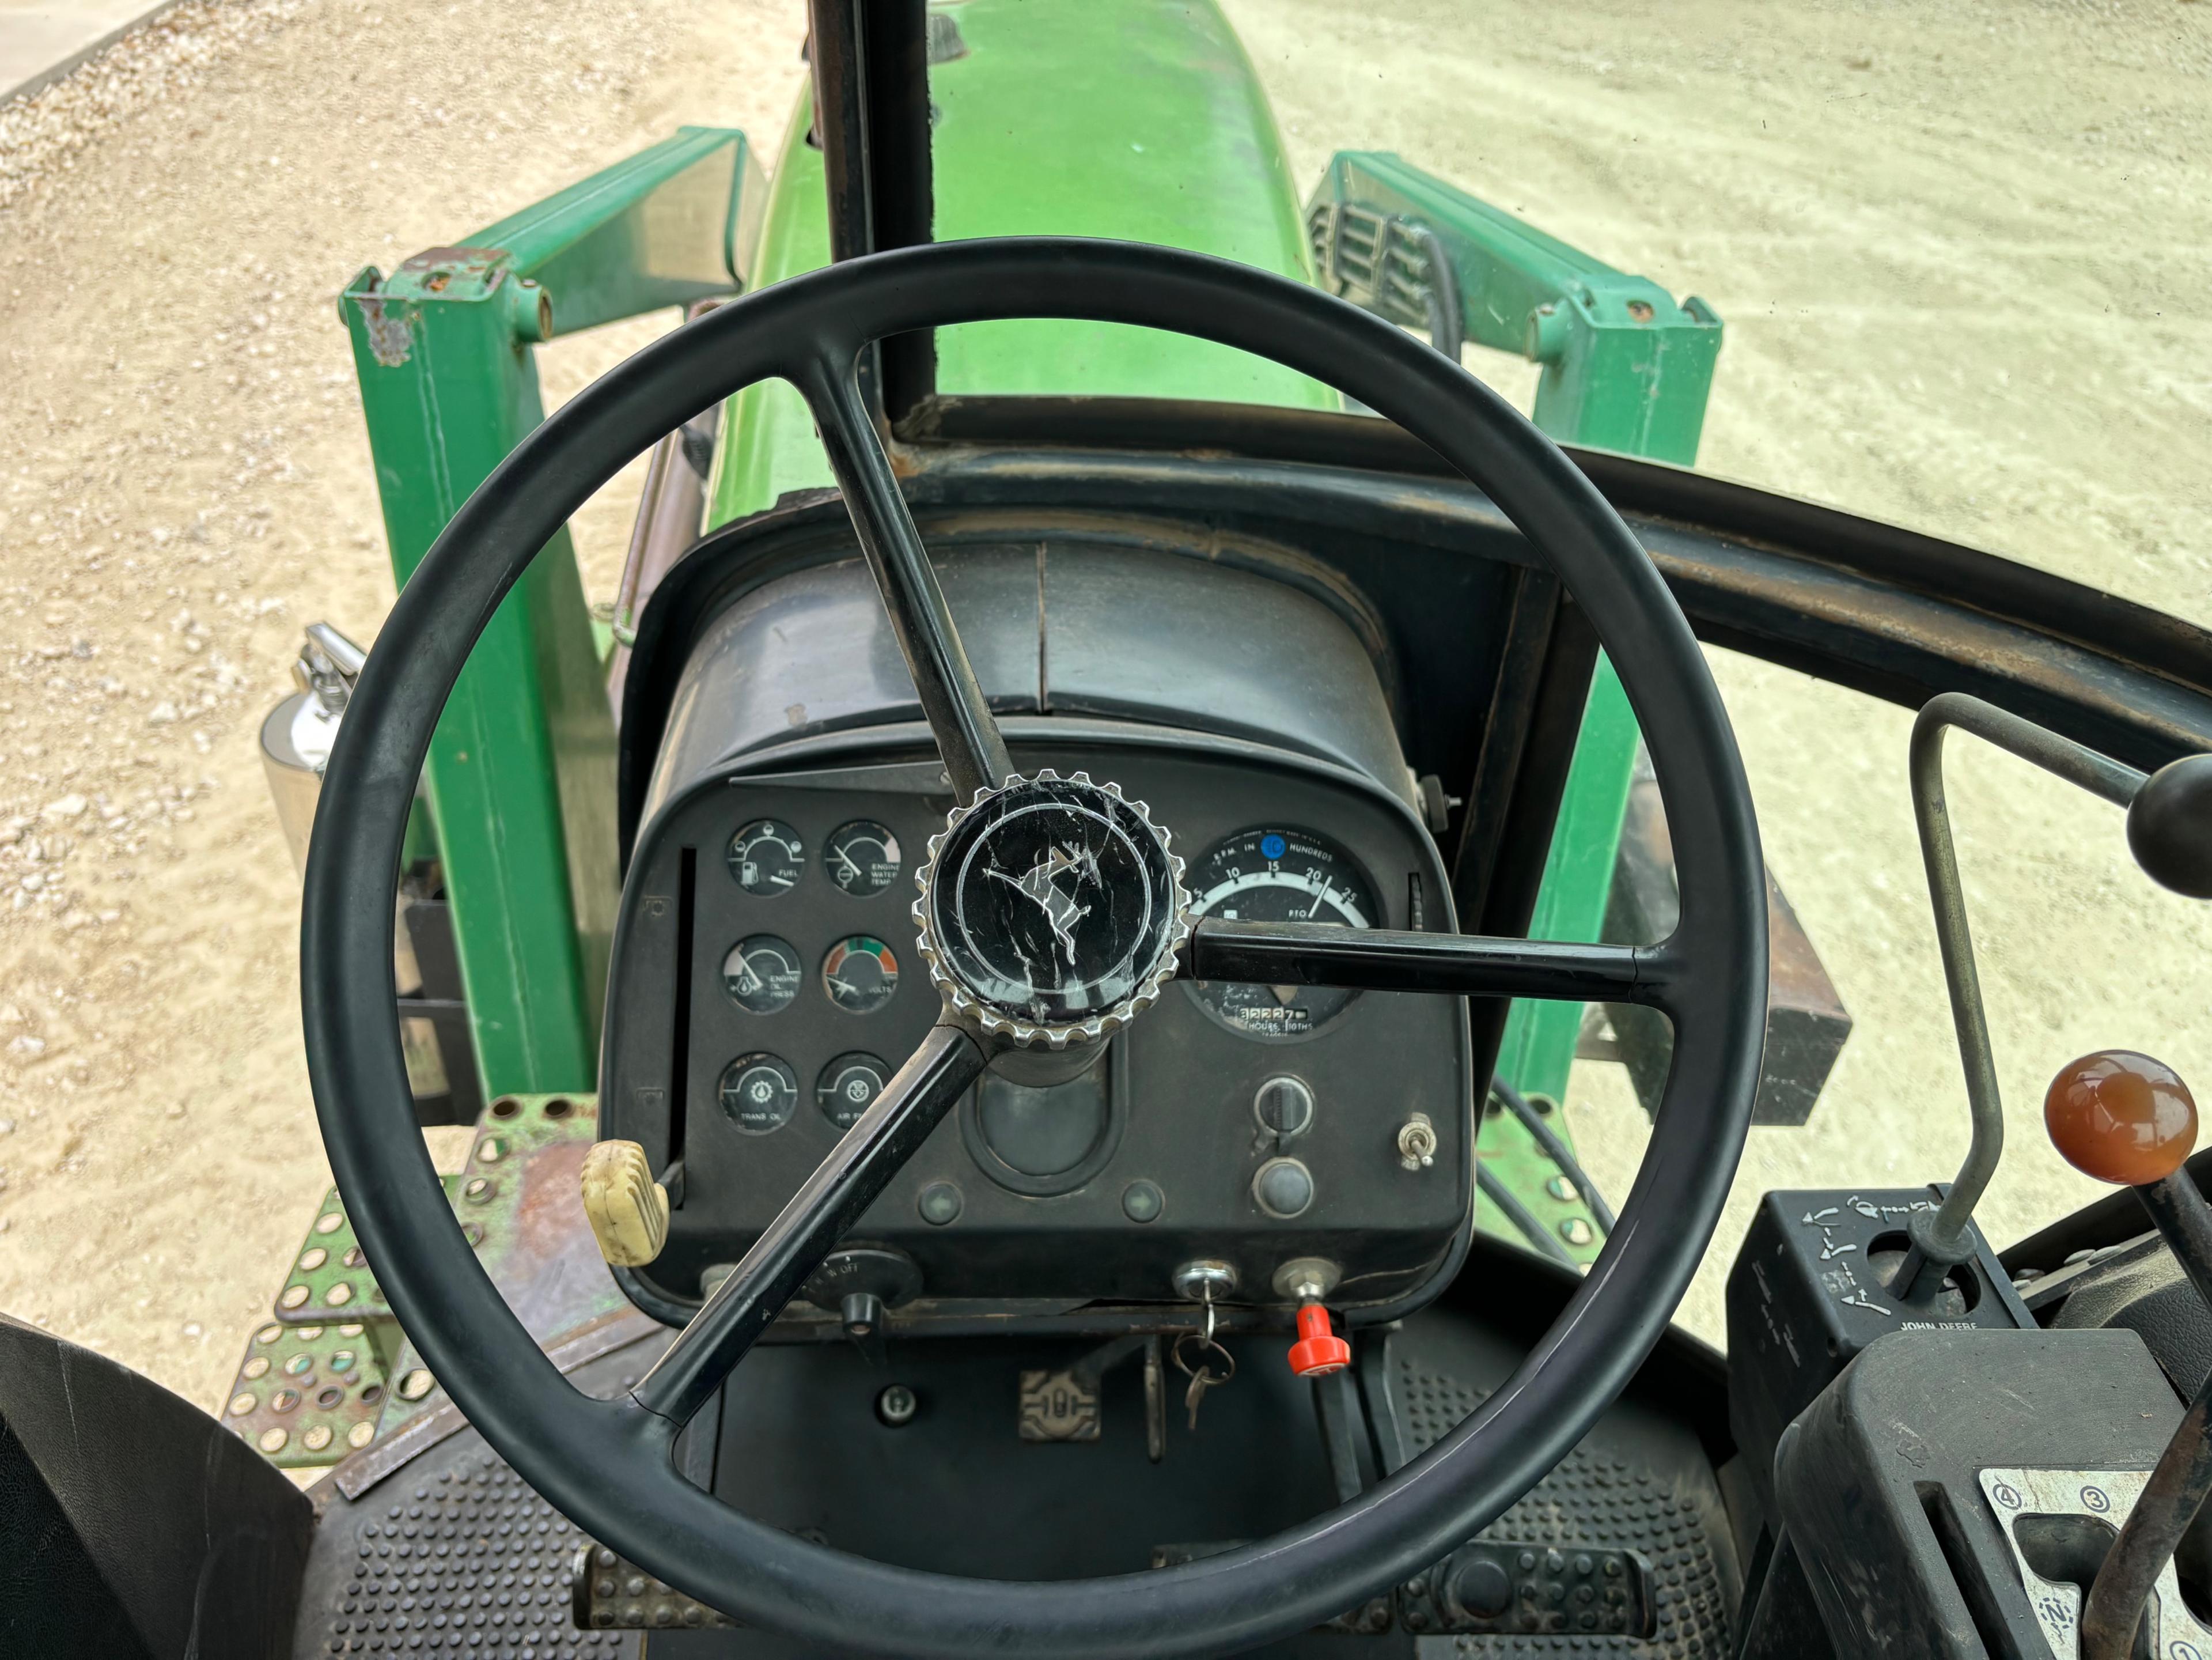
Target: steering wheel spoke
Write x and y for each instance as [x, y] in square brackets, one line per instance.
[1389, 959]
[829, 1201]
[952, 698]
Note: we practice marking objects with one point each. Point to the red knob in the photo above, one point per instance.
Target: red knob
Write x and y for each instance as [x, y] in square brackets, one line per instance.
[2121, 1117]
[1319, 1349]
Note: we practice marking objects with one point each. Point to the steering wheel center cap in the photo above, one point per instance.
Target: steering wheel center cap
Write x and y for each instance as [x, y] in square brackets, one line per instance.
[1051, 911]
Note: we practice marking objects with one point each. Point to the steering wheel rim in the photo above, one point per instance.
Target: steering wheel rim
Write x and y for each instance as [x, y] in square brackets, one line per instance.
[606, 1463]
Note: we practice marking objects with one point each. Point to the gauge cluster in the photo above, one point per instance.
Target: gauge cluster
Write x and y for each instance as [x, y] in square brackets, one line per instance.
[766, 987]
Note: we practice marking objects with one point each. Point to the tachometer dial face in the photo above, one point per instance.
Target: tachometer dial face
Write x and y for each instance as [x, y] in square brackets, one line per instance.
[848, 1086]
[767, 857]
[859, 974]
[862, 857]
[1267, 874]
[759, 1093]
[762, 973]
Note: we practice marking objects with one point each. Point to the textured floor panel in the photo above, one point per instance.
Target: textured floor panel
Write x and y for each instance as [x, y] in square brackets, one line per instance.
[1595, 1497]
[453, 1555]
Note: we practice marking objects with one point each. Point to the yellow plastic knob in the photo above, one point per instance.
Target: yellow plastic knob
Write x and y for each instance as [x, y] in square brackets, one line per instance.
[627, 1208]
[2121, 1117]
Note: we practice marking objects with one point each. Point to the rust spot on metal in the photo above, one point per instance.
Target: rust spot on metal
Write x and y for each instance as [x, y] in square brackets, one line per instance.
[391, 336]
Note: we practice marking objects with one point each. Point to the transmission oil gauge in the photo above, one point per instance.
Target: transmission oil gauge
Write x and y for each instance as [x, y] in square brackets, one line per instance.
[1267, 874]
[859, 974]
[762, 973]
[766, 857]
[758, 1092]
[862, 857]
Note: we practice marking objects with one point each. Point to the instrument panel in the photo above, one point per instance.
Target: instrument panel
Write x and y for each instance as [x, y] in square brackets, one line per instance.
[766, 989]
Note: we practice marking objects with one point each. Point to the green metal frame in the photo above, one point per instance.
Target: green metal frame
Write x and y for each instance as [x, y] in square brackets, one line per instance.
[521, 778]
[1625, 369]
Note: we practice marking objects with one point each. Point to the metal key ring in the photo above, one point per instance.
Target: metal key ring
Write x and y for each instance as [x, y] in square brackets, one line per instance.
[1204, 1342]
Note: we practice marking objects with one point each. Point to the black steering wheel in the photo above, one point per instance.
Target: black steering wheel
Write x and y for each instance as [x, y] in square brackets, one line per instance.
[607, 1464]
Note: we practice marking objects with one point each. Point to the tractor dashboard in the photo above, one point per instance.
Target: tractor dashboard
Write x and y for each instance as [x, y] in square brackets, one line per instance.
[766, 980]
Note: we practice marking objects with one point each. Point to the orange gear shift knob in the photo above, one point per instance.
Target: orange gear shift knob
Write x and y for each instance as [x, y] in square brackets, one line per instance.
[2121, 1117]
[1319, 1349]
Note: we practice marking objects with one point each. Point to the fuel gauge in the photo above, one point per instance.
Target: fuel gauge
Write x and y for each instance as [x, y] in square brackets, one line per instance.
[766, 857]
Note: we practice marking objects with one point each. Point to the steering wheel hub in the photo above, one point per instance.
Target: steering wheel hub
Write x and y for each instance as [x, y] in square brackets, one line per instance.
[1051, 912]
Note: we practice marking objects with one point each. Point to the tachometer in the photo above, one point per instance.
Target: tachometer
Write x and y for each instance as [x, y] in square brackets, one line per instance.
[1273, 875]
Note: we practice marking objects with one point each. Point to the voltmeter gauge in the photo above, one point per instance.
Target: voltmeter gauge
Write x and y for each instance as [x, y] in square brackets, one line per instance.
[1267, 874]
[759, 1093]
[848, 1086]
[766, 857]
[859, 974]
[762, 973]
[862, 857]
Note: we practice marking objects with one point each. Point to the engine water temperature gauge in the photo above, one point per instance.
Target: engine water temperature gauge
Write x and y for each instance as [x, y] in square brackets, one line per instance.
[862, 857]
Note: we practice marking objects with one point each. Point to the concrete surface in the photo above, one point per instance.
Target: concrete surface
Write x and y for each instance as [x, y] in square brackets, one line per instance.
[42, 40]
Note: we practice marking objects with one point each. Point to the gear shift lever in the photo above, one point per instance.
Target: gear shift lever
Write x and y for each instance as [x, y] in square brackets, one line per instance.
[2128, 1119]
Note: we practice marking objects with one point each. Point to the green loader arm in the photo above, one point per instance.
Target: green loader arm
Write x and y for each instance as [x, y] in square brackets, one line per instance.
[520, 777]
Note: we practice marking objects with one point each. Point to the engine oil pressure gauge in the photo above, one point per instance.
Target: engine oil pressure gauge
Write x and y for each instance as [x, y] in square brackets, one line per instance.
[762, 974]
[1270, 874]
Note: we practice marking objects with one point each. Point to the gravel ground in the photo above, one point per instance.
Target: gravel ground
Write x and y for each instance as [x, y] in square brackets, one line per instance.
[184, 484]
[1957, 246]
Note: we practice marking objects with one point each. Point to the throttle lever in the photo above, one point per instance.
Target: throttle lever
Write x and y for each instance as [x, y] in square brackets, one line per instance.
[2129, 1119]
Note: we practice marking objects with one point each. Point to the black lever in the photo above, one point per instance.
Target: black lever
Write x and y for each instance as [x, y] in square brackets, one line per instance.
[2126, 1118]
